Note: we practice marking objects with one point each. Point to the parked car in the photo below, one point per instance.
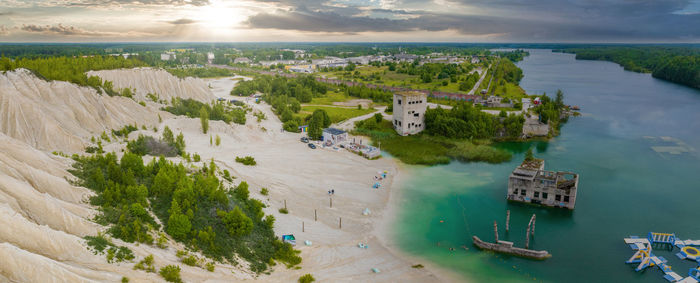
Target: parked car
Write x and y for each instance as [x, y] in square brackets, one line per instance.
[312, 146]
[304, 140]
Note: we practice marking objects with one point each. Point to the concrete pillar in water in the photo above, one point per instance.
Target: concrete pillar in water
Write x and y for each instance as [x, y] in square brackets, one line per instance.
[507, 220]
[527, 238]
[534, 218]
[495, 230]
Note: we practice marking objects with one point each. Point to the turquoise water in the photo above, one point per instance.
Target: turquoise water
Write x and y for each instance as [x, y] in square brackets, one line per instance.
[626, 187]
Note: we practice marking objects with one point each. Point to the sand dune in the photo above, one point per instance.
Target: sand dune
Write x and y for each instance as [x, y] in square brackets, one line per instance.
[156, 81]
[44, 217]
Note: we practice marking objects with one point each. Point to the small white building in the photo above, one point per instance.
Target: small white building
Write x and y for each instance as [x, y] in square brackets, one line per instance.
[210, 57]
[334, 135]
[409, 112]
[167, 56]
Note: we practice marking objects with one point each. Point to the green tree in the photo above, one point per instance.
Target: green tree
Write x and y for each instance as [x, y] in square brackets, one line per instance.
[236, 222]
[204, 118]
[528, 155]
[315, 130]
[241, 191]
[168, 136]
[378, 117]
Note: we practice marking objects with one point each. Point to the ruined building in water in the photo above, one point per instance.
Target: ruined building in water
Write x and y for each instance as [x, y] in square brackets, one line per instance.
[530, 183]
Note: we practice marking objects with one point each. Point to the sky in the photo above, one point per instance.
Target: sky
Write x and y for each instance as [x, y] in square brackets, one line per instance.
[580, 21]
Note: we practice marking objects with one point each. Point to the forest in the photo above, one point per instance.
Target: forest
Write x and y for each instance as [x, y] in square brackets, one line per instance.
[672, 63]
[195, 208]
[467, 122]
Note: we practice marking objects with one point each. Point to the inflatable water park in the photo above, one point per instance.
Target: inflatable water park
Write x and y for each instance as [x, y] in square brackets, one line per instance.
[645, 258]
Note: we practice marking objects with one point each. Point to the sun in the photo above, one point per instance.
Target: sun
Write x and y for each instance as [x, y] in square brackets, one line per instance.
[221, 15]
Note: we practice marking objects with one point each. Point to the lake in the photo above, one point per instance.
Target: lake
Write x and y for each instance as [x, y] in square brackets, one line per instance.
[635, 148]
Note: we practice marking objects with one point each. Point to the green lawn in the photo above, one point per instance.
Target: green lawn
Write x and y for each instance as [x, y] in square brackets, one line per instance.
[330, 97]
[337, 114]
[430, 150]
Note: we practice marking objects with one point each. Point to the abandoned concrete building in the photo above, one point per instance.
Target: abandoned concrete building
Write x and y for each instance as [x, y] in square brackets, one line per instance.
[409, 112]
[530, 183]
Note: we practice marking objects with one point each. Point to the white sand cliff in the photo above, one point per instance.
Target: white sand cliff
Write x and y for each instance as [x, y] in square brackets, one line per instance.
[43, 217]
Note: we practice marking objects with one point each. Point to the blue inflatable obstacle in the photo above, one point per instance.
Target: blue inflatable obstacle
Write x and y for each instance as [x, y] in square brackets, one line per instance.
[644, 256]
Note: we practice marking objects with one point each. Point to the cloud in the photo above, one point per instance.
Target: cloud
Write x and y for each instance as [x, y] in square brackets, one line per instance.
[141, 2]
[60, 29]
[549, 20]
[97, 3]
[182, 21]
[4, 30]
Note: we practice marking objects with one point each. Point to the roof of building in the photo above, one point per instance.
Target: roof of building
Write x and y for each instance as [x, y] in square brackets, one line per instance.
[334, 131]
[410, 93]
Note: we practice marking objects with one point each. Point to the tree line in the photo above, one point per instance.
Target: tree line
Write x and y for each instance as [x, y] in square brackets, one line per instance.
[672, 63]
[72, 69]
[467, 122]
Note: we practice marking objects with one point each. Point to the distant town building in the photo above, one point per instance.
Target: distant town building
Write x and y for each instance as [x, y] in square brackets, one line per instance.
[301, 68]
[276, 62]
[167, 56]
[210, 57]
[242, 60]
[530, 183]
[409, 112]
[329, 62]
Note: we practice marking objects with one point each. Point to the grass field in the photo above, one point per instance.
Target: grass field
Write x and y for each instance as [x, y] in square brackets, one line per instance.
[429, 150]
[337, 114]
[392, 78]
[330, 97]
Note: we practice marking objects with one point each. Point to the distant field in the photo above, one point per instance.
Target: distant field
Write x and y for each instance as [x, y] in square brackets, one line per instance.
[330, 97]
[392, 78]
[337, 114]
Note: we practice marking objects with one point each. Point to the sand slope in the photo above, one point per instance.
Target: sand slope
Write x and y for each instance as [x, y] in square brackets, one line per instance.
[156, 81]
[60, 115]
[43, 218]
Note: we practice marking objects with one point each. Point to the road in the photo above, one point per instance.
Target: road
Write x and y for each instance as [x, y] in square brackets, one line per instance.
[483, 75]
[349, 124]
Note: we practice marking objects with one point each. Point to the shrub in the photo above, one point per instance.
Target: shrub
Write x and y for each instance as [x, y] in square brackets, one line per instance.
[171, 273]
[210, 266]
[125, 279]
[190, 260]
[286, 253]
[227, 175]
[218, 140]
[146, 264]
[148, 145]
[306, 278]
[196, 157]
[248, 160]
[161, 241]
[123, 132]
[283, 210]
[264, 191]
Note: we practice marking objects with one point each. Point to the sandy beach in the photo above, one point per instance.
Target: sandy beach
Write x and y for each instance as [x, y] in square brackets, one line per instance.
[50, 216]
